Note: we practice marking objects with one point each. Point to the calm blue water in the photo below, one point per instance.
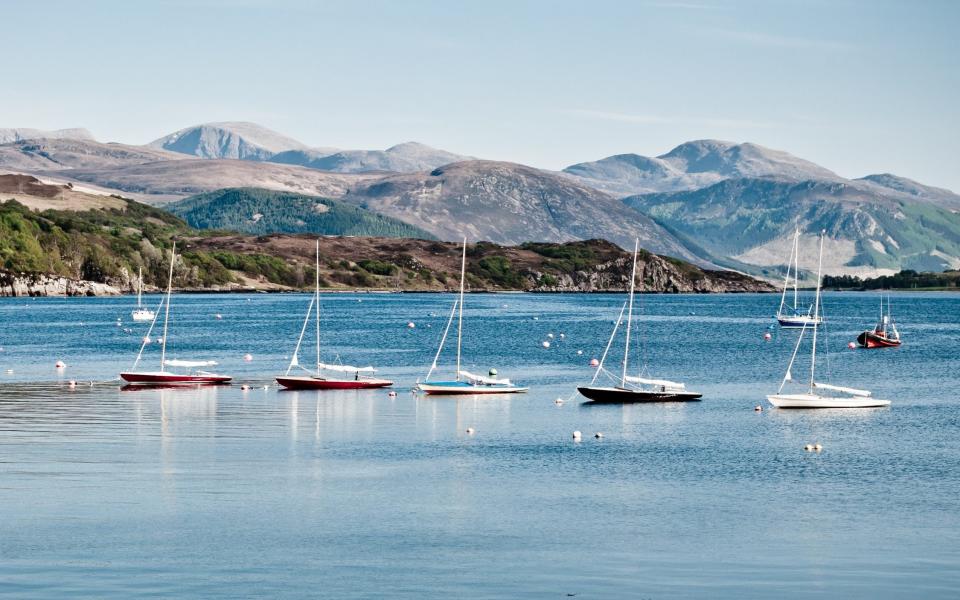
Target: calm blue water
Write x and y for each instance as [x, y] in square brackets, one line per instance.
[221, 492]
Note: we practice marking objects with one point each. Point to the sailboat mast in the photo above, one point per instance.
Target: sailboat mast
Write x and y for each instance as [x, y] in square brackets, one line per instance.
[786, 282]
[816, 314]
[633, 279]
[140, 289]
[463, 272]
[316, 298]
[796, 266]
[166, 314]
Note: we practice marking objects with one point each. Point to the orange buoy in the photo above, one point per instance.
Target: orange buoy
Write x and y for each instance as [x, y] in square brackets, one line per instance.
[594, 362]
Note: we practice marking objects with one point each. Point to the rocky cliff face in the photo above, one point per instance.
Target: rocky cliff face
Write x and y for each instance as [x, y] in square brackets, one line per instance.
[655, 275]
[34, 284]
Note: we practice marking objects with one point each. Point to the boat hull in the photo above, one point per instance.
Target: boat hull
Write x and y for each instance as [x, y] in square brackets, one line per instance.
[815, 401]
[798, 322]
[615, 395]
[319, 383]
[164, 379]
[463, 388]
[869, 339]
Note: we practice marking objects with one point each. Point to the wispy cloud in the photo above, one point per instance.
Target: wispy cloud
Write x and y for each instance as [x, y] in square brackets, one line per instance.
[780, 41]
[653, 119]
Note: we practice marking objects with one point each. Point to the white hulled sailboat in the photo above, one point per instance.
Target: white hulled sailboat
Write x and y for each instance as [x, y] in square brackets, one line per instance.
[141, 313]
[465, 383]
[818, 395]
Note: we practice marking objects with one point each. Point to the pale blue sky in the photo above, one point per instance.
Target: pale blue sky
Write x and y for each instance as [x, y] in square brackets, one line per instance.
[857, 86]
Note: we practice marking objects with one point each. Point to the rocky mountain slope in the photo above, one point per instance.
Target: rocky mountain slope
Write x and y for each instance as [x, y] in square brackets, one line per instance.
[911, 189]
[164, 181]
[16, 134]
[228, 139]
[507, 203]
[694, 165]
[259, 211]
[749, 223]
[402, 158]
[46, 155]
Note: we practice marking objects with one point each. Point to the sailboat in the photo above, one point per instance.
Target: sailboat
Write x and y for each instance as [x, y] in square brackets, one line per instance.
[362, 377]
[141, 313]
[820, 395]
[794, 316]
[630, 388]
[884, 334]
[164, 377]
[466, 382]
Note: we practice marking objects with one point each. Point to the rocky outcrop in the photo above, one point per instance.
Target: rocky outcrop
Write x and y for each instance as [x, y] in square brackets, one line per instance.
[655, 275]
[38, 284]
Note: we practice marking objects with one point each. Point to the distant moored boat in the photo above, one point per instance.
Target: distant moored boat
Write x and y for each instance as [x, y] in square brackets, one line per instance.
[884, 334]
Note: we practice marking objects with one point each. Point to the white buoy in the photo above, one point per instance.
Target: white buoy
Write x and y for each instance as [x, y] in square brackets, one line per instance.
[817, 447]
[594, 362]
[550, 335]
[536, 318]
[218, 316]
[159, 340]
[470, 430]
[266, 387]
[545, 344]
[9, 371]
[119, 324]
[72, 383]
[61, 364]
[562, 336]
[808, 447]
[579, 352]
[598, 435]
[248, 357]
[558, 401]
[244, 387]
[146, 339]
[392, 394]
[851, 345]
[576, 435]
[758, 408]
[767, 336]
[411, 325]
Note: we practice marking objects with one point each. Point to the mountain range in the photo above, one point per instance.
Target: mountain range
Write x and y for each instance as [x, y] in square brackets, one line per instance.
[714, 202]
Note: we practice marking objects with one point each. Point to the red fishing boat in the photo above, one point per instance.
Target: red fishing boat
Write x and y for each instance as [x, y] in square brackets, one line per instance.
[362, 377]
[884, 335]
[193, 376]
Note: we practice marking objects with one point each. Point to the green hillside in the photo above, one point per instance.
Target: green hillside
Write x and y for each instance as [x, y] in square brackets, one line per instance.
[259, 211]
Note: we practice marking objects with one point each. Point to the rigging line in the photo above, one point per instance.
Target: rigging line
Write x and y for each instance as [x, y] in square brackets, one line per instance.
[294, 361]
[633, 280]
[144, 341]
[788, 376]
[607, 349]
[166, 316]
[446, 330]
